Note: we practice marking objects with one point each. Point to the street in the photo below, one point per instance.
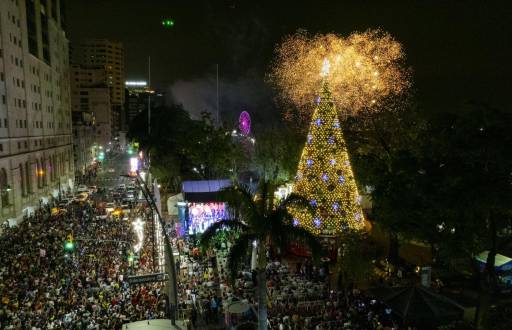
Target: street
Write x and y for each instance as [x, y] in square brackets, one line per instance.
[76, 270]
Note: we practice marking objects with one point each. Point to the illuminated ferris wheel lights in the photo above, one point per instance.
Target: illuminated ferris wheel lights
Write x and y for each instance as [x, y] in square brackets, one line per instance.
[244, 123]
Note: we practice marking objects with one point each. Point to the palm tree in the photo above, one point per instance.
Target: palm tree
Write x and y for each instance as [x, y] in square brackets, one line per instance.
[260, 223]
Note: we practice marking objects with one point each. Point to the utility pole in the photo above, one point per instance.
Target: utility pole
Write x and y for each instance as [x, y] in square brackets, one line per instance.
[218, 111]
[149, 96]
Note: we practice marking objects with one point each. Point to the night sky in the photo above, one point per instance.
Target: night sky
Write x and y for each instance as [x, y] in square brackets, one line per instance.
[458, 50]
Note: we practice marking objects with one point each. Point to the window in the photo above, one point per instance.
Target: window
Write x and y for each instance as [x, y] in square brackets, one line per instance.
[22, 180]
[3, 99]
[28, 176]
[4, 188]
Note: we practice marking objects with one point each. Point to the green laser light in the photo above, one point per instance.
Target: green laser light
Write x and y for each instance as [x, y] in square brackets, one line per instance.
[168, 22]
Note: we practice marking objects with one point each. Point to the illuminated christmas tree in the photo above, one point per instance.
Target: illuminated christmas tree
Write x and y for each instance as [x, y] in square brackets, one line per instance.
[325, 175]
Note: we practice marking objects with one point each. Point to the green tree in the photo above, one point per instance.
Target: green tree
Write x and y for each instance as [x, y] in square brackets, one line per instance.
[183, 148]
[354, 264]
[444, 178]
[277, 153]
[261, 222]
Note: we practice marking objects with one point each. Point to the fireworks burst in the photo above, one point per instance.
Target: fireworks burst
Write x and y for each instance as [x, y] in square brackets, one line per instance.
[362, 70]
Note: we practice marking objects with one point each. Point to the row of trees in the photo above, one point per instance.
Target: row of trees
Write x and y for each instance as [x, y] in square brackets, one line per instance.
[184, 148]
[444, 179]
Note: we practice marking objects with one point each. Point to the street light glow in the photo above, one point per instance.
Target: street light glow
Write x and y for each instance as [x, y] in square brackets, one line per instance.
[135, 83]
[138, 228]
[134, 164]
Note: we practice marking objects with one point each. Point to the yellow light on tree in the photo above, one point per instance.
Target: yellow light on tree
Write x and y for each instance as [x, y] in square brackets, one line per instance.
[325, 175]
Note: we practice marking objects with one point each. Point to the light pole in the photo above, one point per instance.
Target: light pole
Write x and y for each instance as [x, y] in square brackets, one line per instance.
[169, 257]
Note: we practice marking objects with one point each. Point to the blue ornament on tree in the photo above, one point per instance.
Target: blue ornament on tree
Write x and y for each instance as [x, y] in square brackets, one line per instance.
[341, 179]
[317, 222]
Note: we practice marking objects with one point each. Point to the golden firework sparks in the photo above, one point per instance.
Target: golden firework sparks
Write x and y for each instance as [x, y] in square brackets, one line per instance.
[362, 70]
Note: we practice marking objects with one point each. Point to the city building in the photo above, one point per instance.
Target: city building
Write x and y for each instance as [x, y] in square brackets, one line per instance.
[36, 156]
[109, 55]
[84, 139]
[137, 94]
[90, 96]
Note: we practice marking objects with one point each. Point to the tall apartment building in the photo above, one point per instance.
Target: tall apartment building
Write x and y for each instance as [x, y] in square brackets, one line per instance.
[137, 94]
[110, 55]
[84, 140]
[35, 114]
[90, 98]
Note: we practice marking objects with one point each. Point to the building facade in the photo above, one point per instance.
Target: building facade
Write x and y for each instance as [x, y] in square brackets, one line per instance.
[137, 100]
[109, 55]
[92, 112]
[36, 156]
[84, 137]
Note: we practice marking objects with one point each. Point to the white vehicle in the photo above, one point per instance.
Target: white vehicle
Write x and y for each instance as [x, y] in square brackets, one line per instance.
[125, 208]
[82, 188]
[110, 207]
[93, 189]
[122, 186]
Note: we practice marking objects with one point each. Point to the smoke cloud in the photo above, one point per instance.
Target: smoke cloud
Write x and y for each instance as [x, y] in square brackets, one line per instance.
[235, 96]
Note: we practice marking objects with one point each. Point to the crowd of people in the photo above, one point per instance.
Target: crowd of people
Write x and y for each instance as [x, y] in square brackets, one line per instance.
[45, 286]
[200, 302]
[303, 300]
[299, 297]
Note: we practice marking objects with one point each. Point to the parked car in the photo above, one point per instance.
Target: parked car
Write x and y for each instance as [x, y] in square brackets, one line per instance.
[82, 188]
[110, 207]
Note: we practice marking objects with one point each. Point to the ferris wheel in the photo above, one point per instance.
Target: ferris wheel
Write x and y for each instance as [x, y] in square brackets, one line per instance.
[244, 123]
